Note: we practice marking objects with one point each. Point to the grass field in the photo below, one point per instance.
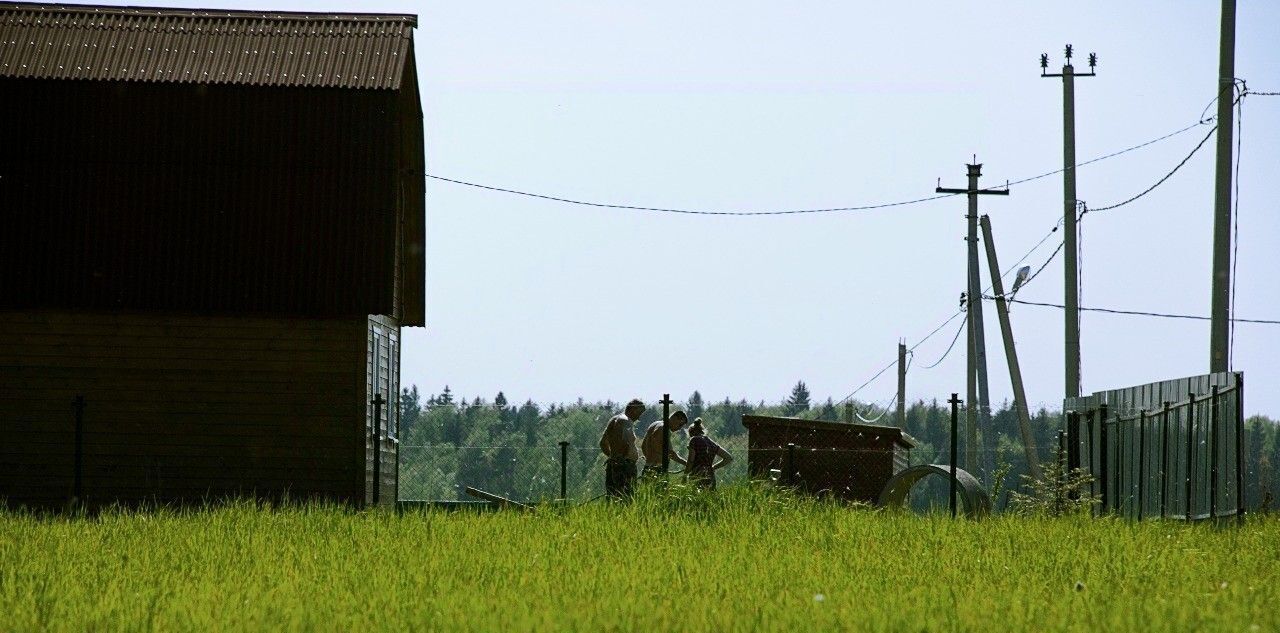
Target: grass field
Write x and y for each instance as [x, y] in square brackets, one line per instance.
[741, 560]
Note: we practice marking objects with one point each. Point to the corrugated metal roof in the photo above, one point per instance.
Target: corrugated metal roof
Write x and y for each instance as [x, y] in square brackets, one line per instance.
[203, 46]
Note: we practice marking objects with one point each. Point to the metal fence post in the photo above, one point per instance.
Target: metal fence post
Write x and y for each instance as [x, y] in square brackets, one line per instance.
[396, 441]
[378, 401]
[1142, 463]
[1191, 445]
[955, 405]
[666, 434]
[1092, 449]
[1073, 441]
[1117, 473]
[1213, 452]
[1164, 459]
[1241, 506]
[791, 464]
[1104, 466]
[1062, 473]
[564, 470]
[1072, 448]
[1104, 446]
[78, 489]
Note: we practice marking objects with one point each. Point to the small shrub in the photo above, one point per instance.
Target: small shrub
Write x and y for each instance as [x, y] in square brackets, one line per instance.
[1058, 492]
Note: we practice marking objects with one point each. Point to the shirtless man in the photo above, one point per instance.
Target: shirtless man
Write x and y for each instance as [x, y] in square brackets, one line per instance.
[651, 446]
[618, 443]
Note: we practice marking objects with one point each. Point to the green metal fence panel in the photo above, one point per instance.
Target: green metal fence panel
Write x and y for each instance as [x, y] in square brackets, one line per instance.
[1172, 448]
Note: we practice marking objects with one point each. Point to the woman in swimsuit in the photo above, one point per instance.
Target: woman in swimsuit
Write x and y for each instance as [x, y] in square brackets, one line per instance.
[702, 465]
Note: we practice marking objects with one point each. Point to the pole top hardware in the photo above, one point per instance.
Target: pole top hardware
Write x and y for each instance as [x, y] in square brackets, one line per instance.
[1068, 51]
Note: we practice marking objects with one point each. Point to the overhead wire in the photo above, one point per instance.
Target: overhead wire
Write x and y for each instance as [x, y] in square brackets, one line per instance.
[880, 372]
[1162, 180]
[628, 207]
[963, 323]
[928, 336]
[951, 318]
[892, 400]
[1235, 223]
[864, 207]
[1078, 361]
[1083, 210]
[1165, 315]
[883, 411]
[1234, 84]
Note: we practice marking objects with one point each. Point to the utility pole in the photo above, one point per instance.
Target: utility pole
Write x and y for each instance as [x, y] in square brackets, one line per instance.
[1220, 310]
[902, 385]
[1011, 352]
[1071, 276]
[977, 354]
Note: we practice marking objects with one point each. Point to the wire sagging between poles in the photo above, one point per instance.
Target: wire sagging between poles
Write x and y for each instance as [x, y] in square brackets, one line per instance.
[863, 207]
[1163, 315]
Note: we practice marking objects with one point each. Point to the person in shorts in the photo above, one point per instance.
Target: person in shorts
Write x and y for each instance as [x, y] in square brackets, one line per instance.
[618, 443]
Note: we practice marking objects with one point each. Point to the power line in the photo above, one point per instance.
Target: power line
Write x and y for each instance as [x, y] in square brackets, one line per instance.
[1043, 266]
[895, 360]
[883, 411]
[869, 381]
[955, 338]
[951, 318]
[1235, 228]
[1162, 180]
[628, 207]
[867, 207]
[1163, 315]
[1238, 84]
[1116, 153]
[1084, 210]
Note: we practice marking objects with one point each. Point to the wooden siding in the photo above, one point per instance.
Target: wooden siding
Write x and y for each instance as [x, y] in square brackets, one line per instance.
[411, 268]
[382, 376]
[178, 407]
[192, 198]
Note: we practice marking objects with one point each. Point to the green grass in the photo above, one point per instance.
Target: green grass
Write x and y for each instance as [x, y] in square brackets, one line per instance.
[740, 560]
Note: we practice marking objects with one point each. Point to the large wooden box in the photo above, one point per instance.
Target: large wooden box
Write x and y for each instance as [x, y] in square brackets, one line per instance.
[851, 462]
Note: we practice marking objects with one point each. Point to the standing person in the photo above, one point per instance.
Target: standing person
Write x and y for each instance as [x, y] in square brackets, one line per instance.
[703, 451]
[618, 443]
[652, 444]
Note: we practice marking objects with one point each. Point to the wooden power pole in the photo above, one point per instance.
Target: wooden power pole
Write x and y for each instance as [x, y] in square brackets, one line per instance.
[1071, 278]
[1011, 353]
[976, 383]
[1220, 306]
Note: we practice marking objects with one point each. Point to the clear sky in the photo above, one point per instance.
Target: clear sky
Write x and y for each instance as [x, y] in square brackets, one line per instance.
[762, 106]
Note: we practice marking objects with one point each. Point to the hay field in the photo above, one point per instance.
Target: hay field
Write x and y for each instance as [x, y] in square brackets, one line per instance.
[741, 560]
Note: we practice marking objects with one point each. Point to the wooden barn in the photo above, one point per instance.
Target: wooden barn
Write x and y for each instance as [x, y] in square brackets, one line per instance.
[212, 235]
[851, 462]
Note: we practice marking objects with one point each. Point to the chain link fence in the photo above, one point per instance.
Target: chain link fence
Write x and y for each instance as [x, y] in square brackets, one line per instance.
[532, 474]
